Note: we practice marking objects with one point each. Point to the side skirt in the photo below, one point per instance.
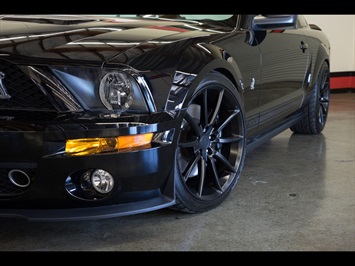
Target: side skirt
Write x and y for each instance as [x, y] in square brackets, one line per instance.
[260, 139]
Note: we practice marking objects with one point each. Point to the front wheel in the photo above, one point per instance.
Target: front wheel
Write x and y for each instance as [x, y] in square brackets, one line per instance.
[211, 146]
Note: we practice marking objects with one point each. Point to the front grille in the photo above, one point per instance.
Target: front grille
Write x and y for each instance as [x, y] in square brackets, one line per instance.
[10, 190]
[27, 101]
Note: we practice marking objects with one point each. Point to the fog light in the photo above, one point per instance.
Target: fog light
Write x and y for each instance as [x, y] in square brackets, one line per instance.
[91, 184]
[102, 181]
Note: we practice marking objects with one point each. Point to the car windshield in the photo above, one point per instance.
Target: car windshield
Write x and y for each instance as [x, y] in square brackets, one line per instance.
[214, 17]
[226, 22]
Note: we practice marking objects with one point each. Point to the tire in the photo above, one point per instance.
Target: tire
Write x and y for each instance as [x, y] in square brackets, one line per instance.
[315, 112]
[211, 146]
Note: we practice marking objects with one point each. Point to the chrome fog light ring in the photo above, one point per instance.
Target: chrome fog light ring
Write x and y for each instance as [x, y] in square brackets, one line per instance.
[19, 178]
[102, 181]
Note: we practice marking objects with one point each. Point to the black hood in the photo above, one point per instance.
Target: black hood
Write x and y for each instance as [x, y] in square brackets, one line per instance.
[89, 38]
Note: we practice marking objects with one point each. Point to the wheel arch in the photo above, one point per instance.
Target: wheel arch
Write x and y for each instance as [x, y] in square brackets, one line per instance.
[321, 56]
[228, 69]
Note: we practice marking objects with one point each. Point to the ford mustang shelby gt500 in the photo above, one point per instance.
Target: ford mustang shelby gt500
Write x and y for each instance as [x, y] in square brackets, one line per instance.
[105, 116]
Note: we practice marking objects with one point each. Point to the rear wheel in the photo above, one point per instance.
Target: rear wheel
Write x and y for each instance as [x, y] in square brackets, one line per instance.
[315, 112]
[211, 147]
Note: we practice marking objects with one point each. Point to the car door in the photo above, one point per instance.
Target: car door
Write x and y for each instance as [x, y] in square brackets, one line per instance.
[284, 56]
[242, 47]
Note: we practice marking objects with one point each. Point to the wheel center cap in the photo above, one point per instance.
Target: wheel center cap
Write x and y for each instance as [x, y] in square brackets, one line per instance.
[205, 141]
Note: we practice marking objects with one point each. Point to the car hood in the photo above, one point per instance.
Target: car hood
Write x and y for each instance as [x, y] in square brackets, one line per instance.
[90, 38]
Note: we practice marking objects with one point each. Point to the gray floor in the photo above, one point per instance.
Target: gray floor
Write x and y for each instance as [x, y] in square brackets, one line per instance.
[297, 193]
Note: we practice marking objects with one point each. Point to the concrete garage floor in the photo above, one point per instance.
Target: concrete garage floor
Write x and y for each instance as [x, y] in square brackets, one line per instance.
[297, 193]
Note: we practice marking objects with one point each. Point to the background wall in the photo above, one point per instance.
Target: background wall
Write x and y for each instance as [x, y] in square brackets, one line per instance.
[340, 30]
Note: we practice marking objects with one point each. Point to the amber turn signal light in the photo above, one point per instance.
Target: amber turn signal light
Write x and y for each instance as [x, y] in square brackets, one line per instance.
[87, 146]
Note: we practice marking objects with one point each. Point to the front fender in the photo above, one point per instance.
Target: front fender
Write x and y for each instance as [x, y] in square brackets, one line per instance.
[202, 58]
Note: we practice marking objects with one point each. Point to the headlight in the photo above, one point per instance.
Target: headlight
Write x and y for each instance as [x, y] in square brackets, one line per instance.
[100, 90]
[116, 91]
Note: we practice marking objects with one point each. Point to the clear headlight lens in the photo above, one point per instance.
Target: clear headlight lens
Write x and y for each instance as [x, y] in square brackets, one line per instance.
[116, 91]
[99, 90]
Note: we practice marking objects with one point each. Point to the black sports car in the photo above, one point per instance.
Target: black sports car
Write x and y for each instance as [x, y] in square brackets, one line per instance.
[105, 116]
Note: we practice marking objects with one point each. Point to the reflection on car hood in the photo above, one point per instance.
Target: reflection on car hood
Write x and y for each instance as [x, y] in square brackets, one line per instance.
[89, 38]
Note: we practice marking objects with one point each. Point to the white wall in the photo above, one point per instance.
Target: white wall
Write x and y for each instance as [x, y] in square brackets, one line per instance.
[340, 30]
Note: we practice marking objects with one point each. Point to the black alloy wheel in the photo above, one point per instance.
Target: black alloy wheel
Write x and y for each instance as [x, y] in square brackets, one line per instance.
[315, 112]
[211, 147]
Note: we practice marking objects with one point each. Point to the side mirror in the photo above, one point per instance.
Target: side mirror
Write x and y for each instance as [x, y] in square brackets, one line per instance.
[272, 22]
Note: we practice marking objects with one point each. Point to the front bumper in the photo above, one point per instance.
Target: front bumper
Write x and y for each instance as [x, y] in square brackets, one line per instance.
[89, 213]
[144, 179]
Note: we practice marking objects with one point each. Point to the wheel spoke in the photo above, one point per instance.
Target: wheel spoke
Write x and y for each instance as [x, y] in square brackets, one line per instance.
[215, 174]
[230, 139]
[324, 102]
[191, 166]
[323, 111]
[321, 116]
[216, 110]
[325, 82]
[325, 86]
[225, 161]
[234, 113]
[193, 124]
[202, 176]
[324, 106]
[204, 115]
